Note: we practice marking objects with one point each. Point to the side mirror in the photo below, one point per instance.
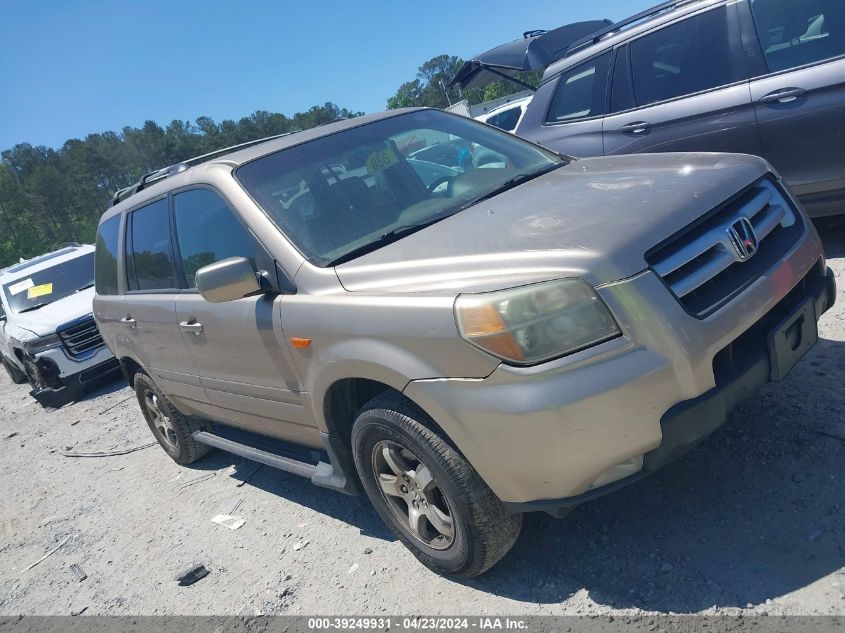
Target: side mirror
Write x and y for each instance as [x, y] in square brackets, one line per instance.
[227, 280]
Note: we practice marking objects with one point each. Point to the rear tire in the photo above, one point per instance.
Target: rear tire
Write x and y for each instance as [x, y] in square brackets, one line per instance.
[173, 430]
[16, 375]
[426, 492]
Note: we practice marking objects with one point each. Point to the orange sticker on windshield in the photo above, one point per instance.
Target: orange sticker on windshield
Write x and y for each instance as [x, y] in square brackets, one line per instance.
[39, 291]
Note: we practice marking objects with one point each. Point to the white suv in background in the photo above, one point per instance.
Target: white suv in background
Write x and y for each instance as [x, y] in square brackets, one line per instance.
[47, 332]
[508, 116]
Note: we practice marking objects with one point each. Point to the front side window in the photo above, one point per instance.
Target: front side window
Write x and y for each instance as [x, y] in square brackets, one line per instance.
[795, 33]
[208, 231]
[38, 289]
[687, 57]
[150, 259]
[339, 196]
[581, 92]
[105, 261]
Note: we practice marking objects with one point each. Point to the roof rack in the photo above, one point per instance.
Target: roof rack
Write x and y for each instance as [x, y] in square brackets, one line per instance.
[172, 170]
[664, 7]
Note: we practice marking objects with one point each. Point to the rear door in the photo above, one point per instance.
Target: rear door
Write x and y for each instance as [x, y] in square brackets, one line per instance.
[799, 95]
[683, 87]
[148, 329]
[238, 347]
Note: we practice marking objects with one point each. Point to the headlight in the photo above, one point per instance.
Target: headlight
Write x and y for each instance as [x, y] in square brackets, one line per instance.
[42, 344]
[531, 324]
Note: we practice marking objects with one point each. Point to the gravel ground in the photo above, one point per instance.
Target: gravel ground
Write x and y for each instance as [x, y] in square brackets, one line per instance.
[751, 521]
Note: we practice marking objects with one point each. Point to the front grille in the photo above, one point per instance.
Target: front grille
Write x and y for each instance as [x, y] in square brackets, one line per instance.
[82, 338]
[702, 266]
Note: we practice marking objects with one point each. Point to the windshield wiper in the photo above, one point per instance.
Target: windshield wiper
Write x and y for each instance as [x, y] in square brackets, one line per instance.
[37, 306]
[388, 238]
[91, 285]
[510, 183]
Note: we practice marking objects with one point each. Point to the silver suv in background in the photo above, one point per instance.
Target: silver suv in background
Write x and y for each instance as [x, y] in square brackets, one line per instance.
[48, 336]
[526, 332]
[762, 77]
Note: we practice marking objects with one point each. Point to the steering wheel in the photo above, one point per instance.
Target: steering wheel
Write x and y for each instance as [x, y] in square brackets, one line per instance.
[437, 183]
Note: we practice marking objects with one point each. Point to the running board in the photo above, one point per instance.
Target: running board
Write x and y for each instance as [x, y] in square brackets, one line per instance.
[303, 469]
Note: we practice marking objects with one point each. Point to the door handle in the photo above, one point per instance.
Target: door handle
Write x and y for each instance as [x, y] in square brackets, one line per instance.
[786, 95]
[638, 127]
[128, 321]
[191, 326]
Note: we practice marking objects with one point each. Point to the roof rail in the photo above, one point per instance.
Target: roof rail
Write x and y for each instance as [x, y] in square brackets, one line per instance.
[165, 172]
[664, 7]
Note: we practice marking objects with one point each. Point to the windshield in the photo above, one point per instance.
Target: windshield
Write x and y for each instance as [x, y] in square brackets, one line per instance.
[344, 194]
[50, 284]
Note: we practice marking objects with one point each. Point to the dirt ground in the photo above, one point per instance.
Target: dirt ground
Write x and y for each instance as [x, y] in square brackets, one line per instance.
[750, 521]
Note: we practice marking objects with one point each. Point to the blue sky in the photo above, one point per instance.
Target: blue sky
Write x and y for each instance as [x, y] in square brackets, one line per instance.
[72, 68]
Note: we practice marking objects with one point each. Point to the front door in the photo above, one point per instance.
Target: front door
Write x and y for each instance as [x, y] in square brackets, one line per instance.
[239, 348]
[682, 88]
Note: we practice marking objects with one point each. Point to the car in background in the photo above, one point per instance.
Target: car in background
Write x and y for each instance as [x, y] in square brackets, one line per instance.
[48, 336]
[508, 116]
[762, 77]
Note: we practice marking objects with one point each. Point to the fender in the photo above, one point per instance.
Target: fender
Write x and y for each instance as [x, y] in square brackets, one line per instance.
[395, 367]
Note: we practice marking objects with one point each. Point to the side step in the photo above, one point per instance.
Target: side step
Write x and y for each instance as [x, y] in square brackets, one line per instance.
[303, 469]
[332, 473]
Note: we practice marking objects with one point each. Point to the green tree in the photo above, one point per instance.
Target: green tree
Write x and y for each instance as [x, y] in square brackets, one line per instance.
[52, 196]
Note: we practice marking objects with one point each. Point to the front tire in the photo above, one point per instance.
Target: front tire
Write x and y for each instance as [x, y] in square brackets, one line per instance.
[426, 492]
[173, 430]
[16, 375]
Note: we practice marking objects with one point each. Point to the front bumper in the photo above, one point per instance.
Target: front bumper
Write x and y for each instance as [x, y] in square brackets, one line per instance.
[743, 368]
[540, 436]
[57, 379]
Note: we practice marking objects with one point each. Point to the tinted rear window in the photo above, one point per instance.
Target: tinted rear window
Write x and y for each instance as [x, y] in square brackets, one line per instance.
[105, 262]
[152, 252]
[688, 57]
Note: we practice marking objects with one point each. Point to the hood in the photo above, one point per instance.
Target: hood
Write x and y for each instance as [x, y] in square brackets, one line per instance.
[46, 320]
[535, 51]
[594, 218]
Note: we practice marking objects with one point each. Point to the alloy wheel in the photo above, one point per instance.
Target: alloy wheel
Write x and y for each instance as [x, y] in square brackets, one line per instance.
[161, 422]
[413, 495]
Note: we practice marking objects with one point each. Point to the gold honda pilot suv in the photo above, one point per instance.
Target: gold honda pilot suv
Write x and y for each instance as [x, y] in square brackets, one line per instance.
[461, 324]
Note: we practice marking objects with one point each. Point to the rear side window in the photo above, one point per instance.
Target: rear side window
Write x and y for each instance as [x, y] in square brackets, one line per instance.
[105, 258]
[581, 92]
[208, 231]
[799, 32]
[687, 57]
[150, 259]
